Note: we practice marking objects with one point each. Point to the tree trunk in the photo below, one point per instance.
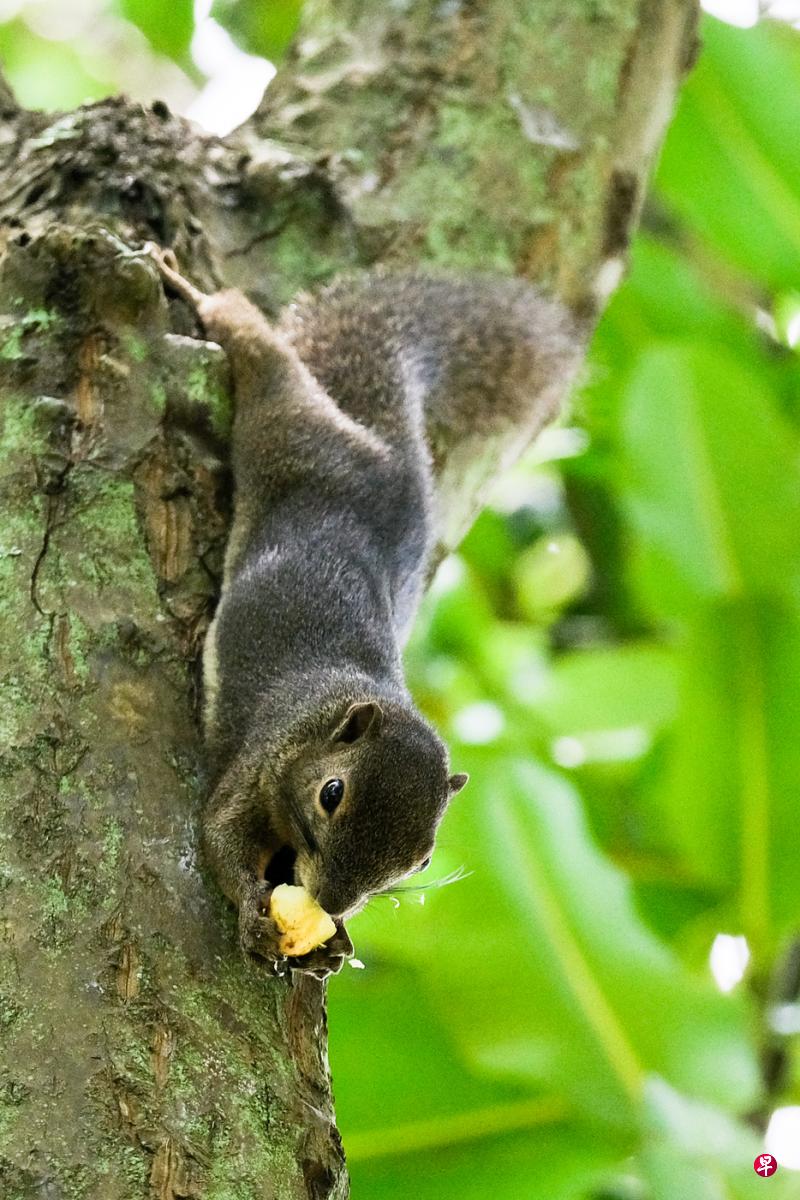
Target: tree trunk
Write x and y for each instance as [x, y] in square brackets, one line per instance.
[141, 1056]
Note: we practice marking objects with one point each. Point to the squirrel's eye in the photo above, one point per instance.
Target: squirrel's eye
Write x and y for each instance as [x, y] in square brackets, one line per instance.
[331, 795]
[423, 866]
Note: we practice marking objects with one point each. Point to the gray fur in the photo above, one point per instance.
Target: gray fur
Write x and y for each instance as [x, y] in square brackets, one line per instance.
[345, 415]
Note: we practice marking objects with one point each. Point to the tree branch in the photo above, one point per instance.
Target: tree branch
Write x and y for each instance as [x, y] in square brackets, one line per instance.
[511, 136]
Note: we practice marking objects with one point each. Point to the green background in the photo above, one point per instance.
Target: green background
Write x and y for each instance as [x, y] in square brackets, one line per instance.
[614, 656]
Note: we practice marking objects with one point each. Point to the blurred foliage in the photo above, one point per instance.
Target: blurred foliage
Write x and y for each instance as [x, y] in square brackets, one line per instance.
[259, 28]
[197, 55]
[167, 27]
[614, 655]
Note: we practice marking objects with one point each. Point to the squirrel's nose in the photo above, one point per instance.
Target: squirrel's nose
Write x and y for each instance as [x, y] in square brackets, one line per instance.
[336, 901]
[328, 900]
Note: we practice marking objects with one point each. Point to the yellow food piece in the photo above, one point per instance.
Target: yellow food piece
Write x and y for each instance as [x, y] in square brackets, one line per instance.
[301, 921]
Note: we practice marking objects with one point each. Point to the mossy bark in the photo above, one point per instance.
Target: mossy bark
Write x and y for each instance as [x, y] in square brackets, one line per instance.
[139, 1054]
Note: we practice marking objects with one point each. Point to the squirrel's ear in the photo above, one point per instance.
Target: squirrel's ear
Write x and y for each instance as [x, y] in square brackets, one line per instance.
[457, 782]
[360, 719]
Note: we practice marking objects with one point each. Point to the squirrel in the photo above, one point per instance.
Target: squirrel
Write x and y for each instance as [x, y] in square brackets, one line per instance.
[347, 413]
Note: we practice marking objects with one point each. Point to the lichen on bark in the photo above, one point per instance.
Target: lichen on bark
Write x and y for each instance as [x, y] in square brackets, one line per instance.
[126, 1064]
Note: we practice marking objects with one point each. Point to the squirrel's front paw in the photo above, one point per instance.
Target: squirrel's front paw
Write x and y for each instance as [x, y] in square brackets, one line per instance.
[327, 959]
[259, 936]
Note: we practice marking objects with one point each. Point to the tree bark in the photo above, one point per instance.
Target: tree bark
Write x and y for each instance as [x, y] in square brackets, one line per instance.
[140, 1055]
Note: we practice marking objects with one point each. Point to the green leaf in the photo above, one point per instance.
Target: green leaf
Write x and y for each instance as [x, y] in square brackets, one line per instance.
[46, 74]
[550, 574]
[489, 547]
[609, 688]
[541, 968]
[730, 785]
[167, 27]
[562, 1162]
[258, 27]
[710, 478]
[442, 1128]
[729, 166]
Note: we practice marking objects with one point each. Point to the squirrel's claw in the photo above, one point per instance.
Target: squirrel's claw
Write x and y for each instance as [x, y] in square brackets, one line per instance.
[327, 959]
[259, 938]
[259, 935]
[167, 264]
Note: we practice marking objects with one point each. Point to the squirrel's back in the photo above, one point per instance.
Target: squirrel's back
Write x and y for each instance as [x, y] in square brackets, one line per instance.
[394, 389]
[461, 370]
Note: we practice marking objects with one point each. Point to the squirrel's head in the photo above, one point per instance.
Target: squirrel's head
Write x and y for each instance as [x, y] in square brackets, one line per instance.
[363, 802]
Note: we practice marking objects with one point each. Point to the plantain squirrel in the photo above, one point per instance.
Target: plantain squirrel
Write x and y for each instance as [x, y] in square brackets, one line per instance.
[348, 414]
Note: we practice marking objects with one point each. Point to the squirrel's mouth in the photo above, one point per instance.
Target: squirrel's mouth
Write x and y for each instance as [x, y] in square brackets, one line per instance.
[280, 868]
